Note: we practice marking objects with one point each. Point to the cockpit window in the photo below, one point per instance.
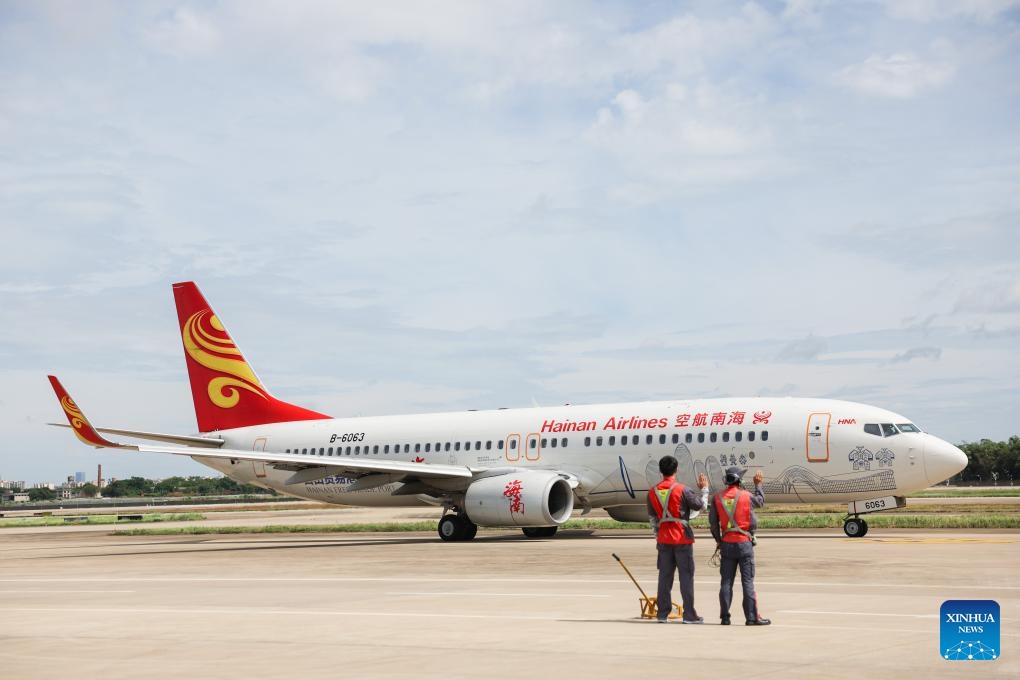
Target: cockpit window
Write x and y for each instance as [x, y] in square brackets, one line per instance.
[872, 428]
[908, 427]
[888, 430]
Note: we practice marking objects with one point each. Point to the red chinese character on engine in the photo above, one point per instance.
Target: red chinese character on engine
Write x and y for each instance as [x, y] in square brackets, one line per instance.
[513, 492]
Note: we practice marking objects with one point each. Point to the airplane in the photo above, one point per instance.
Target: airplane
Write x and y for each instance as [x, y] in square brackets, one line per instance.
[531, 468]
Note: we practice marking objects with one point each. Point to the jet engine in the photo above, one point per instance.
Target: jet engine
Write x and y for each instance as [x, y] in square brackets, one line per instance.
[522, 498]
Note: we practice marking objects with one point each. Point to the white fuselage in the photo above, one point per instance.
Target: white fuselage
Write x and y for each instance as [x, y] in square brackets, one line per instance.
[809, 450]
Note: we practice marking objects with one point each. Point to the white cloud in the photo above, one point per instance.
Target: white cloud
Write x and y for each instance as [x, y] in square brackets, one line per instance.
[940, 10]
[901, 75]
[185, 33]
[1000, 295]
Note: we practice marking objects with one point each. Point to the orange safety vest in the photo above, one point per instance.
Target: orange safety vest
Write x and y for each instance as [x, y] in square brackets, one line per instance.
[667, 501]
[733, 507]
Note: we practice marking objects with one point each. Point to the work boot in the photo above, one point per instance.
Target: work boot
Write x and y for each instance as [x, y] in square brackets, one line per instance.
[758, 622]
[725, 620]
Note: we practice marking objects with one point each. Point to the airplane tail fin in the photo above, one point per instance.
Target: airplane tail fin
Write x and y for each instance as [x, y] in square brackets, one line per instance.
[226, 391]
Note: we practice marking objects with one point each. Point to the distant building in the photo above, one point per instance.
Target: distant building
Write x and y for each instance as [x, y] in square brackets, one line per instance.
[79, 477]
[15, 497]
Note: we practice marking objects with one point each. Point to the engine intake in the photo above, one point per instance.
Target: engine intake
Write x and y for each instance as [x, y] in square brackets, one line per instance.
[522, 498]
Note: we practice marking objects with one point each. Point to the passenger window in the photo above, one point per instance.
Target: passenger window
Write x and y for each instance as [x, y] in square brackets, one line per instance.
[662, 439]
[764, 435]
[725, 436]
[563, 443]
[304, 452]
[553, 443]
[322, 451]
[357, 450]
[428, 446]
[446, 446]
[417, 447]
[544, 442]
[478, 446]
[612, 440]
[587, 441]
[598, 441]
[750, 436]
[738, 435]
[888, 429]
[711, 437]
[488, 445]
[676, 438]
[513, 444]
[687, 439]
[701, 437]
[499, 445]
[532, 443]
[456, 446]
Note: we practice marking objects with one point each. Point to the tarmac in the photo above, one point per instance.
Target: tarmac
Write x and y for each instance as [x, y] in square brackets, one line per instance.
[80, 600]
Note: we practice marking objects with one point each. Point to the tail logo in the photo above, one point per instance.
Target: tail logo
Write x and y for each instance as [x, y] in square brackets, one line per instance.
[74, 413]
[207, 343]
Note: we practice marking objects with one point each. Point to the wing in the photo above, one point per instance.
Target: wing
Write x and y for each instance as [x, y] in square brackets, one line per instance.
[305, 468]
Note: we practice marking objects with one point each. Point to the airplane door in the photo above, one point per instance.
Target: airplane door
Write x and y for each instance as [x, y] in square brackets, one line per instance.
[817, 437]
[259, 467]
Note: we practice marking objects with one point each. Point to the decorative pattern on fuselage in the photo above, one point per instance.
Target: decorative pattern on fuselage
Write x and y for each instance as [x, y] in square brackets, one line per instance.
[792, 477]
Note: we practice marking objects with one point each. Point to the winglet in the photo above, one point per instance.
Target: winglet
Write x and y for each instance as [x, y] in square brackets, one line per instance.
[79, 423]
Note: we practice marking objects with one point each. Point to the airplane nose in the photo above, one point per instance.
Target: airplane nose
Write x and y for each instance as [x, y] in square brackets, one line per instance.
[942, 460]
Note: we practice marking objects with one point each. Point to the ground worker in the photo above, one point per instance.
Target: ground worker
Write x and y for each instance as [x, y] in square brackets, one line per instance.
[669, 507]
[733, 523]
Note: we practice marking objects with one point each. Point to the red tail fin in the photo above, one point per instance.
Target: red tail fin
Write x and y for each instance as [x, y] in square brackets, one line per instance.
[226, 391]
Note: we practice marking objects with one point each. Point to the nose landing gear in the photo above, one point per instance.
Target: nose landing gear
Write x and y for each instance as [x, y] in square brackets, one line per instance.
[855, 527]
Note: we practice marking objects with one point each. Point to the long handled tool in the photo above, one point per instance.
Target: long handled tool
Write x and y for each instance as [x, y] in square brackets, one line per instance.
[648, 604]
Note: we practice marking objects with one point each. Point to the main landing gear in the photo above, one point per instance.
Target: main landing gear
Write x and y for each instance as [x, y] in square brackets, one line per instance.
[457, 527]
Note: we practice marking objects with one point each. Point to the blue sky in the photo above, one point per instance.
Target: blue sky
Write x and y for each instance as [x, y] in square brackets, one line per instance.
[404, 207]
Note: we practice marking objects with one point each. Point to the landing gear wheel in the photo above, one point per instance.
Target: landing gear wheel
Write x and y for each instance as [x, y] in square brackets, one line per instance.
[855, 527]
[539, 532]
[457, 528]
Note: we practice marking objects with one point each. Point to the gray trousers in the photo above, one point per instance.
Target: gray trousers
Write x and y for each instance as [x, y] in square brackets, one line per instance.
[673, 558]
[735, 555]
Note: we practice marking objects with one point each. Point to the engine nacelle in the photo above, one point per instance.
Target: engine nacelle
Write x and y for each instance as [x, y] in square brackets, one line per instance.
[521, 498]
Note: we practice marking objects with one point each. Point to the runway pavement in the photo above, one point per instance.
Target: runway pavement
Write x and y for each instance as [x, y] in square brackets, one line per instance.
[77, 600]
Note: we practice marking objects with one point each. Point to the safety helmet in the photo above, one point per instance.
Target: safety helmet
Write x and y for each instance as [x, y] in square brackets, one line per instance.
[734, 475]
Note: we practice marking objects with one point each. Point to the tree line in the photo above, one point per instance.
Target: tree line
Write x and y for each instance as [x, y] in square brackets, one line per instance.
[171, 486]
[180, 486]
[991, 463]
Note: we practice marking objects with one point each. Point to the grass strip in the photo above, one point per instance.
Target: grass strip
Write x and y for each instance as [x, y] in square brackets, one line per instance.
[947, 492]
[69, 520]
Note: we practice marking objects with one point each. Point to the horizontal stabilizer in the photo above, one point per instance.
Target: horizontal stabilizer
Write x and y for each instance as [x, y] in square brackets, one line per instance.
[183, 439]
